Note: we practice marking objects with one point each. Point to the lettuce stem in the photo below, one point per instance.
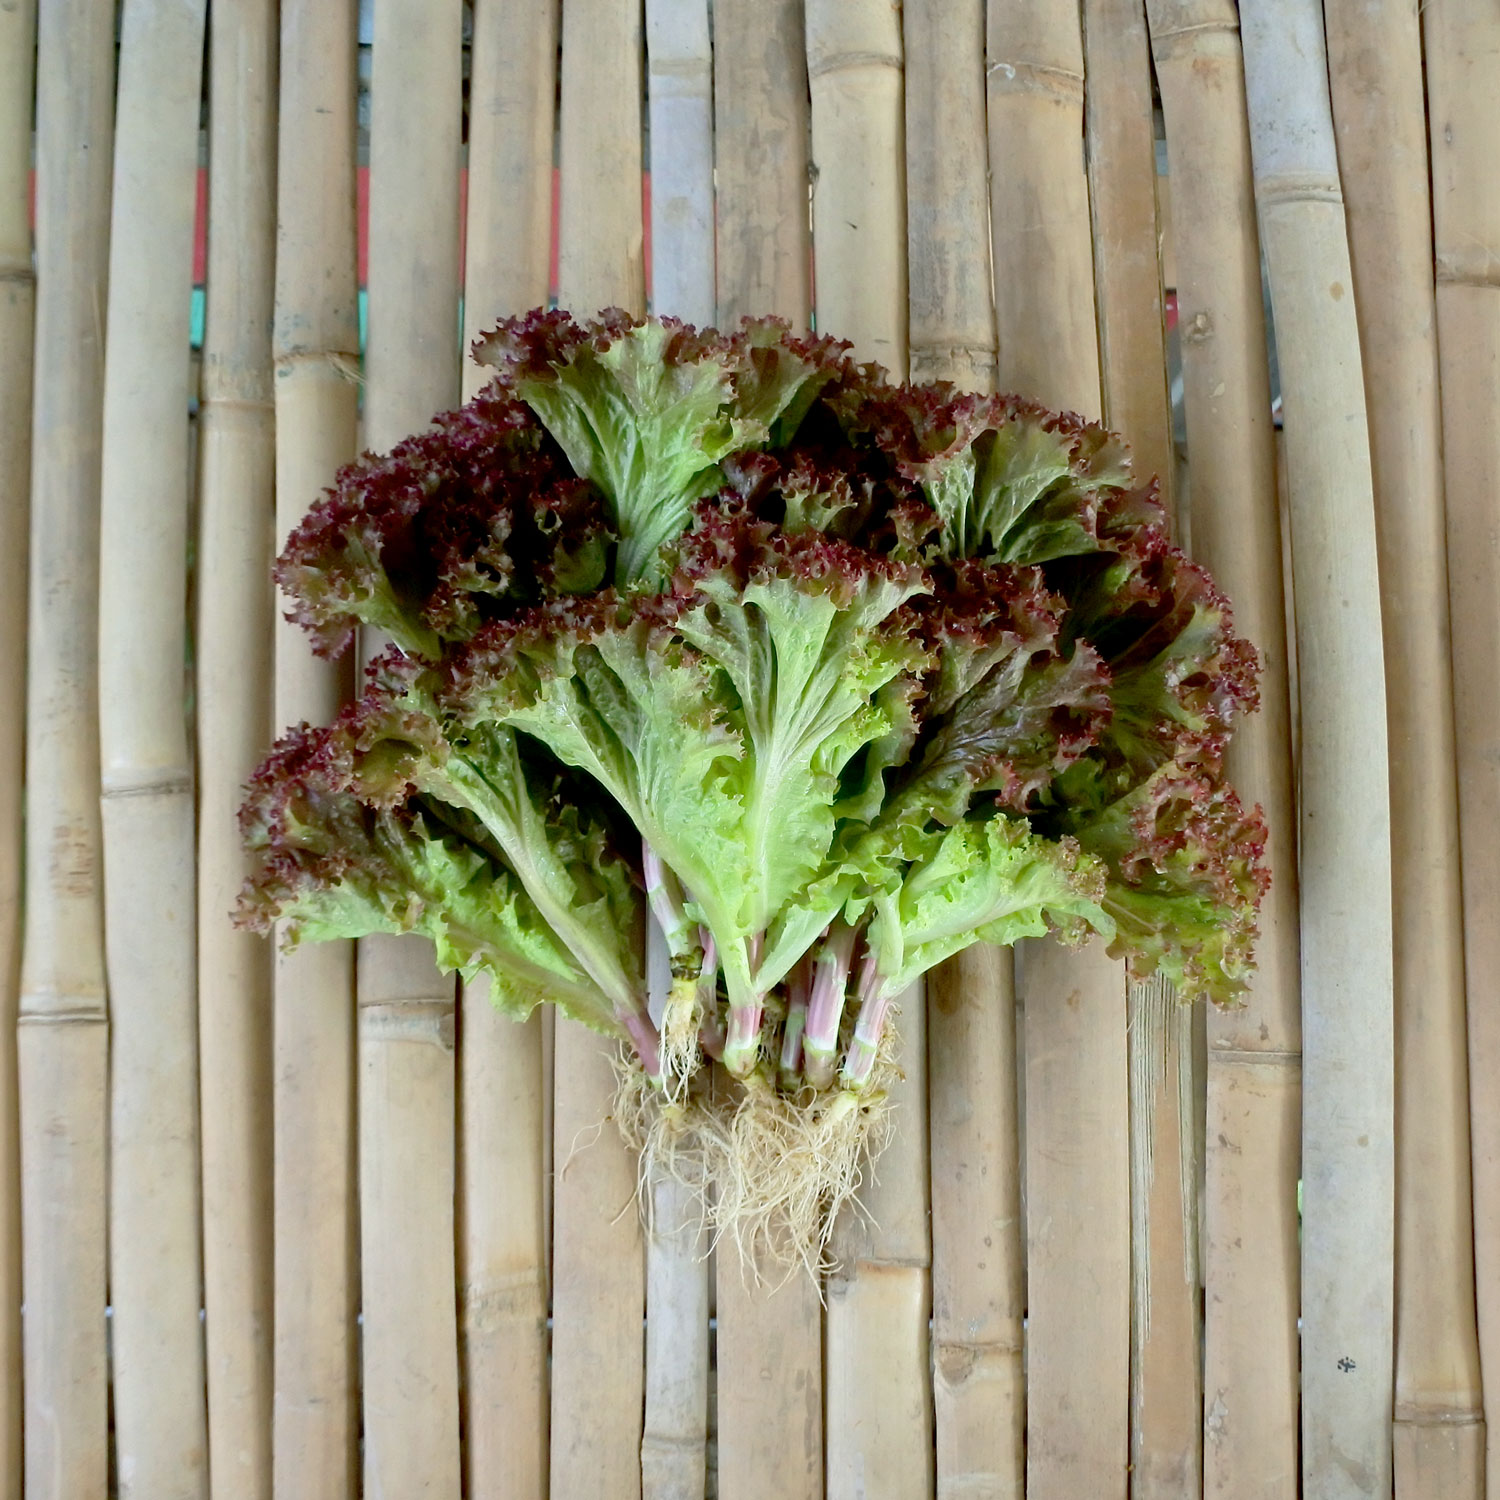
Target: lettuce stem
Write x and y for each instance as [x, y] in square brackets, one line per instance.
[825, 1005]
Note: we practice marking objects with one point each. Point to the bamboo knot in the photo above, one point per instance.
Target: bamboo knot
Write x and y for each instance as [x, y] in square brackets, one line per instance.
[419, 1019]
[838, 62]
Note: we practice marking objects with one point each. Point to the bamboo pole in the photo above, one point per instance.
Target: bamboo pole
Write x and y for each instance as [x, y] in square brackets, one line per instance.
[62, 1037]
[952, 307]
[1166, 1393]
[503, 1251]
[147, 788]
[1166, 1399]
[502, 1131]
[978, 1268]
[1347, 1112]
[315, 342]
[17, 310]
[761, 161]
[679, 93]
[1462, 48]
[234, 686]
[512, 115]
[406, 1008]
[1375, 57]
[878, 1362]
[1254, 1052]
[880, 1413]
[769, 1375]
[1041, 242]
[859, 177]
[675, 1435]
[598, 1266]
[1076, 1119]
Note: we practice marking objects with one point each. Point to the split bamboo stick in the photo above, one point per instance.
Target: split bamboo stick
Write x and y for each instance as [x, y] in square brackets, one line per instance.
[679, 86]
[1041, 243]
[503, 1251]
[1254, 1052]
[978, 1270]
[406, 1008]
[761, 161]
[598, 1266]
[859, 176]
[501, 1082]
[674, 1442]
[769, 1374]
[880, 1417]
[1076, 1120]
[315, 342]
[147, 788]
[1166, 1406]
[17, 310]
[878, 1363]
[1462, 49]
[951, 309]
[512, 117]
[679, 93]
[1375, 58]
[1347, 1108]
[234, 686]
[978, 1267]
[63, 1038]
[1166, 1393]
[1078, 1223]
[1122, 200]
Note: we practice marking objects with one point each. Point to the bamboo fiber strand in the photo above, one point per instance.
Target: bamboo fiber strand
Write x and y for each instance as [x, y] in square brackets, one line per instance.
[512, 115]
[17, 310]
[1462, 50]
[1379, 114]
[407, 1038]
[978, 1268]
[1348, 1159]
[679, 94]
[1253, 1064]
[315, 344]
[502, 1136]
[234, 686]
[149, 868]
[951, 306]
[63, 1041]
[598, 1267]
[769, 1375]
[761, 122]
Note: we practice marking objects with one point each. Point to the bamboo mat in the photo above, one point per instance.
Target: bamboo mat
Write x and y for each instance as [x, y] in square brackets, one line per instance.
[411, 1279]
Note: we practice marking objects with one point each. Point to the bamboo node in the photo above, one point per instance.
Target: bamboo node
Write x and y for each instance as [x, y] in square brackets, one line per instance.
[838, 62]
[1298, 187]
[421, 1018]
[1061, 84]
